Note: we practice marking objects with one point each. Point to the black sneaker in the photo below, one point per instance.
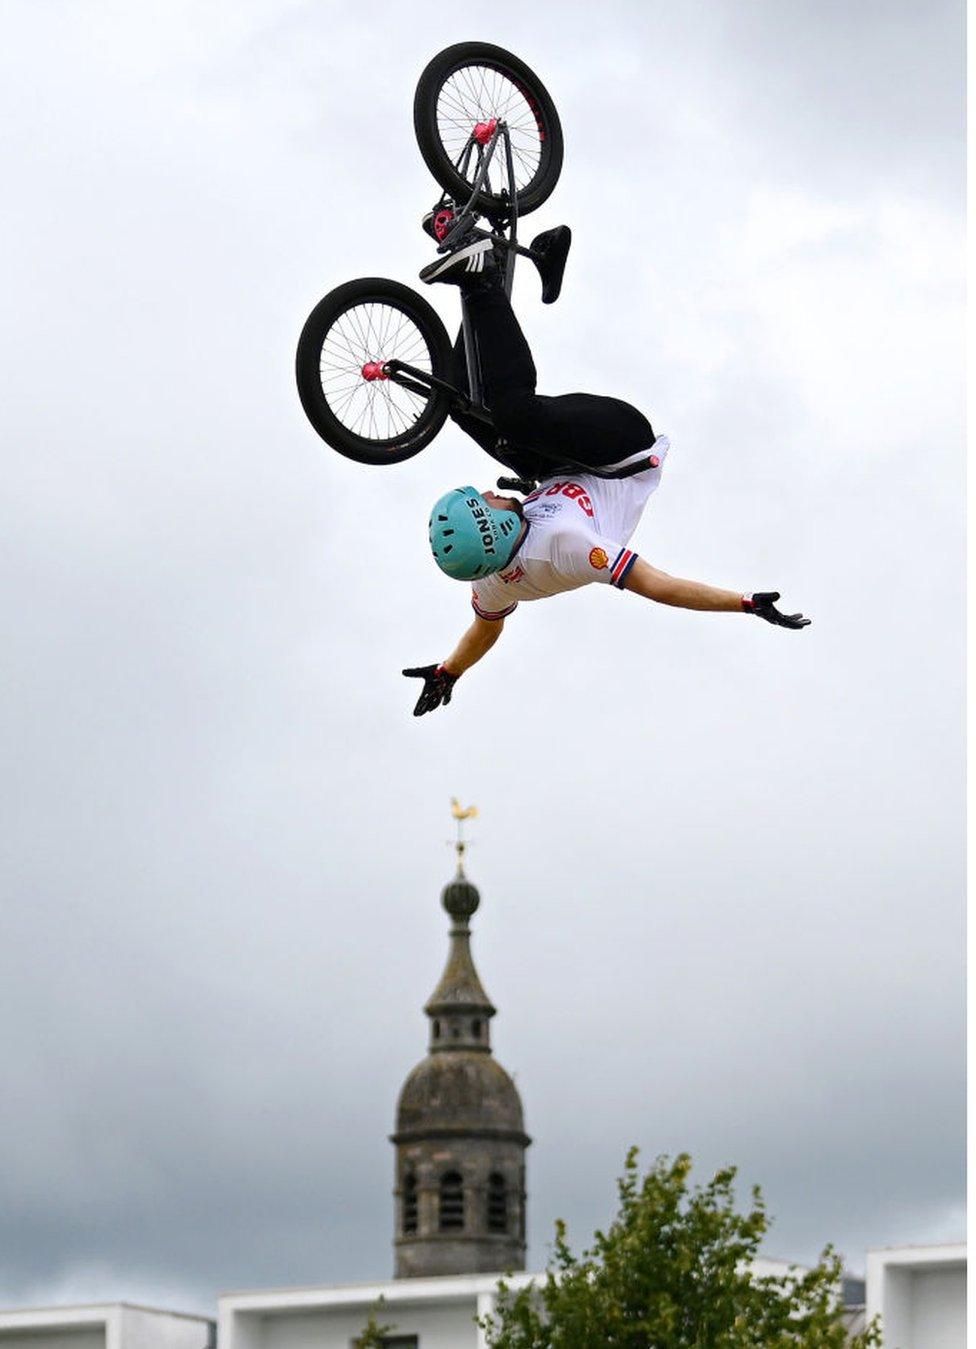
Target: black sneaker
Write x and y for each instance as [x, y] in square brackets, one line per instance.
[438, 222]
[469, 259]
[550, 251]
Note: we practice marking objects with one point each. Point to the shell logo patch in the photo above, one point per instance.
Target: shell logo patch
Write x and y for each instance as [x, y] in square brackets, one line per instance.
[598, 559]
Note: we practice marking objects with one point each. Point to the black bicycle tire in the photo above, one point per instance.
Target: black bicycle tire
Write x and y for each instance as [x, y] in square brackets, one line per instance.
[307, 371]
[432, 79]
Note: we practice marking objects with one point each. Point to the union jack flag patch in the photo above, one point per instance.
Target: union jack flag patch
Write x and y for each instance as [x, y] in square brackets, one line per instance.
[622, 564]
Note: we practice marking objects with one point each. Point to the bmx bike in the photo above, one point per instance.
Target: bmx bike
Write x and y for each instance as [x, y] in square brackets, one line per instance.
[375, 366]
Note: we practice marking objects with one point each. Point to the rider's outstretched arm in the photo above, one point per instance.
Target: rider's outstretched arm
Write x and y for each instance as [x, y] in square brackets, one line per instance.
[476, 642]
[646, 580]
[439, 680]
[643, 579]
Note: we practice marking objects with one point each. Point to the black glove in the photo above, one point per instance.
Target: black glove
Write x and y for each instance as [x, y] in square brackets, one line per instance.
[438, 687]
[763, 605]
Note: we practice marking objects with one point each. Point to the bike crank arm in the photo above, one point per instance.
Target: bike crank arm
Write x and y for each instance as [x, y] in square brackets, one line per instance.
[417, 381]
[424, 383]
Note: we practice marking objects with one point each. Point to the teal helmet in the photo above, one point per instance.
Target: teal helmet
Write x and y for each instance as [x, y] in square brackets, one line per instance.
[468, 537]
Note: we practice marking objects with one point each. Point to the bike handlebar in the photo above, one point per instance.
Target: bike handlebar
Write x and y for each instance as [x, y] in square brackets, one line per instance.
[526, 485]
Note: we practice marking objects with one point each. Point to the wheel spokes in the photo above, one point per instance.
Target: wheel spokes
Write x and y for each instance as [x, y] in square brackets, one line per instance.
[356, 346]
[475, 94]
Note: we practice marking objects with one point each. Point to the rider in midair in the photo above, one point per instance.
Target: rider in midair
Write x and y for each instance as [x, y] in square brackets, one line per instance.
[574, 527]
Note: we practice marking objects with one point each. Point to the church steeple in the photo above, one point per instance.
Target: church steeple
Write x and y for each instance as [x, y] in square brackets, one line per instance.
[459, 1008]
[460, 1140]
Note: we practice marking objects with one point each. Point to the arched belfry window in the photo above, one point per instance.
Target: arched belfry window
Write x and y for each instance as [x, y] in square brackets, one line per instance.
[410, 1203]
[451, 1202]
[497, 1203]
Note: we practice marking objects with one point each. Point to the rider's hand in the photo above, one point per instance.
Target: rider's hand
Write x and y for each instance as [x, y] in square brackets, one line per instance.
[763, 605]
[438, 687]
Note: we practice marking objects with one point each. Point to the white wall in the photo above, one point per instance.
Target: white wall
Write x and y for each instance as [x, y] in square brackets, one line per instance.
[939, 1309]
[920, 1294]
[896, 1309]
[140, 1328]
[441, 1311]
[437, 1327]
[110, 1325]
[86, 1337]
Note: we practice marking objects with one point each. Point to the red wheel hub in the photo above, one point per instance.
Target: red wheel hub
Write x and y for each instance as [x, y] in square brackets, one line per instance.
[484, 131]
[374, 370]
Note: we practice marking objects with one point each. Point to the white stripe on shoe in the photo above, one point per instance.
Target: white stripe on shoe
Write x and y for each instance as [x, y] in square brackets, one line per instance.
[469, 259]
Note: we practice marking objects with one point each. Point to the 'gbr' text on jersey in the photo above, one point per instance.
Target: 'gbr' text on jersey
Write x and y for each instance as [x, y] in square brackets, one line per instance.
[573, 490]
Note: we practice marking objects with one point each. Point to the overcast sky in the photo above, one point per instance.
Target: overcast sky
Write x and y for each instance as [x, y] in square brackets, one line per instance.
[721, 864]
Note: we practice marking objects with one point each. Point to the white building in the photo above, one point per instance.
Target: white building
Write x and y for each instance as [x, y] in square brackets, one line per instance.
[920, 1294]
[110, 1325]
[434, 1313]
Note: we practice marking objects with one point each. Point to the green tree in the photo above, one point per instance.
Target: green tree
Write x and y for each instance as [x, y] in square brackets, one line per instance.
[374, 1335]
[673, 1271]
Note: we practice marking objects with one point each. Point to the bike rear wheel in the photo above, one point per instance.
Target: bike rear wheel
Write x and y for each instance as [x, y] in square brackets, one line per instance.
[472, 84]
[353, 405]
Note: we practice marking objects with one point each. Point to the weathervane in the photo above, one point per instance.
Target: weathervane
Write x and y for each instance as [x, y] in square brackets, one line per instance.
[461, 813]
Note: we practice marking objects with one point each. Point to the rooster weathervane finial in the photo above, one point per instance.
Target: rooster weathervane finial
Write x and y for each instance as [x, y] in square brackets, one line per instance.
[460, 814]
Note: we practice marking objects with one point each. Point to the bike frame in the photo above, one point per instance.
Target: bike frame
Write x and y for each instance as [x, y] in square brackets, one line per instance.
[472, 404]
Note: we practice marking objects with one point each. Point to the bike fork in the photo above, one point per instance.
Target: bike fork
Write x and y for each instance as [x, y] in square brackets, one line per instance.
[465, 222]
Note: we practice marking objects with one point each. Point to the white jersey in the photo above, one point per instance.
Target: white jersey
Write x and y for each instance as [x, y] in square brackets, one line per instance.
[579, 528]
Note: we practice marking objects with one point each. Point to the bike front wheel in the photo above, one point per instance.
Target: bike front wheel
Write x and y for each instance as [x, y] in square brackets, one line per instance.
[347, 340]
[468, 86]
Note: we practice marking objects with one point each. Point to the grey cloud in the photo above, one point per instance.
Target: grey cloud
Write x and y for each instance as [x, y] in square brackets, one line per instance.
[721, 868]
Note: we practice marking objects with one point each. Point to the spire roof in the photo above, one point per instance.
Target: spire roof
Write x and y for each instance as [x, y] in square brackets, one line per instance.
[459, 988]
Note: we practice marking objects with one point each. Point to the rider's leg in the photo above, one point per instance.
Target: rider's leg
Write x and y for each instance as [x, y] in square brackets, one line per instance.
[588, 428]
[585, 427]
[484, 434]
[505, 361]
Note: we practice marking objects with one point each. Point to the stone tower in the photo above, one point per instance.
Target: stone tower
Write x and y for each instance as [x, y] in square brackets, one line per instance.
[460, 1141]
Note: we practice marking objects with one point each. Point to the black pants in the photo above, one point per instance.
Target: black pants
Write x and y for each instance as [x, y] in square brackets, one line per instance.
[541, 432]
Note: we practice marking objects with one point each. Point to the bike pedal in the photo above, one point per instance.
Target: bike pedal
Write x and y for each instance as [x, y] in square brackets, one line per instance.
[458, 229]
[438, 221]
